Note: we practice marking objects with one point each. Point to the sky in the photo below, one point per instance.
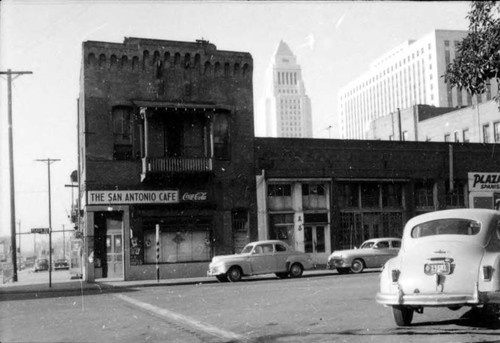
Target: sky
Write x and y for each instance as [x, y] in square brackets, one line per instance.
[334, 43]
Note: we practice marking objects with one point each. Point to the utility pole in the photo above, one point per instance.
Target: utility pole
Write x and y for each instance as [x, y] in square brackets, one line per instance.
[49, 161]
[13, 244]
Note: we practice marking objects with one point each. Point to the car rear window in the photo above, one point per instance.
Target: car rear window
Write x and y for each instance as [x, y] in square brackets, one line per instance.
[446, 227]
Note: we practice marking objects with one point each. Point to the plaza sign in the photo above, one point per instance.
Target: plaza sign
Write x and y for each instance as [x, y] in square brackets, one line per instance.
[132, 197]
[484, 182]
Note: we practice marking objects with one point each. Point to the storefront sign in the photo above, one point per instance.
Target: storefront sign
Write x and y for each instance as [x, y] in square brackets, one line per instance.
[484, 182]
[132, 197]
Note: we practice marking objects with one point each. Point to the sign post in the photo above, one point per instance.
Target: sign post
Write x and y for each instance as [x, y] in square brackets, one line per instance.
[157, 253]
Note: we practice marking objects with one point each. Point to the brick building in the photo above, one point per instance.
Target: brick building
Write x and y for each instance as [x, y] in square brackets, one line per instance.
[165, 140]
[321, 195]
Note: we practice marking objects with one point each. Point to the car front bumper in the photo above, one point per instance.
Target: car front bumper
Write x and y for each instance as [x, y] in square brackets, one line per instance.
[334, 264]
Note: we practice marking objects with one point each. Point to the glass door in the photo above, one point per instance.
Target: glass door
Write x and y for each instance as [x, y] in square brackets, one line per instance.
[317, 242]
[114, 248]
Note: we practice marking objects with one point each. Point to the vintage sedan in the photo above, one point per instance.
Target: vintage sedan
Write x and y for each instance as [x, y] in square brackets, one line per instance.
[61, 263]
[373, 253]
[448, 258]
[262, 257]
[41, 264]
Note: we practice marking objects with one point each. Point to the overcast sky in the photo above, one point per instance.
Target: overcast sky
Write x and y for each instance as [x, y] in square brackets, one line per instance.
[334, 43]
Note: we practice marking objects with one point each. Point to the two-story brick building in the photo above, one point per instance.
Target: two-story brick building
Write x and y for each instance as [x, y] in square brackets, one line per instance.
[165, 140]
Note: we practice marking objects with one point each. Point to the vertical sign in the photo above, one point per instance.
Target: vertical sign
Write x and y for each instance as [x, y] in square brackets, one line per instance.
[157, 252]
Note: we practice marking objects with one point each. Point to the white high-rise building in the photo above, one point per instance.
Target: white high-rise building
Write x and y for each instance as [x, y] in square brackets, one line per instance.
[408, 75]
[287, 107]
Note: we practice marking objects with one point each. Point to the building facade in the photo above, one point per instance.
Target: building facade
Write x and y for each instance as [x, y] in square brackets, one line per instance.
[165, 157]
[408, 75]
[474, 124]
[287, 106]
[322, 195]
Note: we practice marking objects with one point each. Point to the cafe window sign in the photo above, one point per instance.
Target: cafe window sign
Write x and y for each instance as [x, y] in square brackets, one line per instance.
[484, 182]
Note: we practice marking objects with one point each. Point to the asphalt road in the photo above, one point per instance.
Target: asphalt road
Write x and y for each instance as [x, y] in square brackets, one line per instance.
[316, 308]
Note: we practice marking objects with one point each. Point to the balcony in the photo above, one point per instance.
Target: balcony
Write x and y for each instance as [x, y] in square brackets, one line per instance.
[175, 165]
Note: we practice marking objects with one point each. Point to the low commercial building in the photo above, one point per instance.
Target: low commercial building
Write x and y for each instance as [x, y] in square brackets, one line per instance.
[321, 195]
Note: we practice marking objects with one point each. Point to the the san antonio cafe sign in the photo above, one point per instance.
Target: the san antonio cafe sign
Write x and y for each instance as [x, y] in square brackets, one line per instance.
[144, 197]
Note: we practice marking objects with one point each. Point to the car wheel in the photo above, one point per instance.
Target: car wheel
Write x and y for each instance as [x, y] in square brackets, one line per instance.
[221, 278]
[402, 315]
[342, 270]
[296, 270]
[282, 275]
[234, 274]
[357, 266]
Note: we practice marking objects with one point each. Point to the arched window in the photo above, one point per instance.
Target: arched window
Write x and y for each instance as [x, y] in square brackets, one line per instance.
[177, 59]
[102, 60]
[208, 68]
[135, 61]
[226, 69]
[236, 69]
[187, 61]
[124, 61]
[91, 59]
[246, 70]
[197, 61]
[217, 69]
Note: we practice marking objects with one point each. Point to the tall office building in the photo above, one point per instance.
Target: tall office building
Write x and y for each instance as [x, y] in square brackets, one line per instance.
[287, 107]
[408, 75]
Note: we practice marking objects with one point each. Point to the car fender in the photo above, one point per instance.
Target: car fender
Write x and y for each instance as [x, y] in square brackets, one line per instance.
[492, 260]
[386, 284]
[297, 259]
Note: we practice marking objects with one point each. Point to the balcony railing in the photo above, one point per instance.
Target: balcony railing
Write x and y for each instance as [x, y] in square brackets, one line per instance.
[175, 165]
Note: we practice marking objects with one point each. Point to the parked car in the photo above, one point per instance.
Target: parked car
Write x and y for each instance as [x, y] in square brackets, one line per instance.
[373, 253]
[41, 264]
[448, 258]
[61, 263]
[262, 257]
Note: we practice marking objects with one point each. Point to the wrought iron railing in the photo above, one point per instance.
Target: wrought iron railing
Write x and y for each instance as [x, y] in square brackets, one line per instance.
[176, 165]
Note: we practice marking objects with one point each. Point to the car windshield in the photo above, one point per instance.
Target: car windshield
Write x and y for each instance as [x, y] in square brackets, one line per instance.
[366, 245]
[247, 249]
[446, 227]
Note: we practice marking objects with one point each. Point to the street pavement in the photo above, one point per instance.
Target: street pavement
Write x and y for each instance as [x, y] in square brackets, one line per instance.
[62, 282]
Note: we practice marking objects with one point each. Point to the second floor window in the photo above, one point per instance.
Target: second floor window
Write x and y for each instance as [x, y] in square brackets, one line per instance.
[122, 133]
[486, 133]
[496, 131]
[221, 137]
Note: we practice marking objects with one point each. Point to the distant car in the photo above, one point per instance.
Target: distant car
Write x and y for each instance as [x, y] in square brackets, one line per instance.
[449, 258]
[262, 257]
[41, 264]
[61, 263]
[373, 253]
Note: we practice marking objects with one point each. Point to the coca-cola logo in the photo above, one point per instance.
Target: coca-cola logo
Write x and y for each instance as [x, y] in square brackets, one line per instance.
[198, 196]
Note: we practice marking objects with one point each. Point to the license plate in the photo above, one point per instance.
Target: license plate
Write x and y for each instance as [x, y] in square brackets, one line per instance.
[437, 268]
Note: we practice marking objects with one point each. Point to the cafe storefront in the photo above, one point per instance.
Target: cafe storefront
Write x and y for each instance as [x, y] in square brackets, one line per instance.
[122, 241]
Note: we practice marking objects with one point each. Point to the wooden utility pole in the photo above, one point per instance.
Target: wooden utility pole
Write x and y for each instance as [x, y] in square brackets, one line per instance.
[49, 161]
[13, 243]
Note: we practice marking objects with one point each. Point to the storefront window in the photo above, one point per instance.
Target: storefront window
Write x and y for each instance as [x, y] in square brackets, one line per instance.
[350, 195]
[281, 227]
[178, 246]
[424, 195]
[392, 195]
[455, 197]
[370, 194]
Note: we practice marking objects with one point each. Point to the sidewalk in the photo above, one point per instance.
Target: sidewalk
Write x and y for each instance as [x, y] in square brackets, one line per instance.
[99, 285]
